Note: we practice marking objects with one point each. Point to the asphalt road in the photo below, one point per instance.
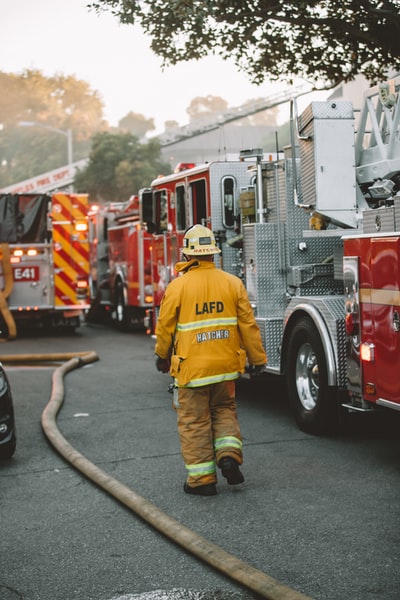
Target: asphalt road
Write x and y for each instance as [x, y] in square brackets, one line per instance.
[320, 515]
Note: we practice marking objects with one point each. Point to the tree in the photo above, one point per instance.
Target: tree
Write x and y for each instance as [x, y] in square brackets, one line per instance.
[136, 124]
[202, 106]
[321, 40]
[59, 101]
[264, 118]
[46, 103]
[119, 165]
[171, 124]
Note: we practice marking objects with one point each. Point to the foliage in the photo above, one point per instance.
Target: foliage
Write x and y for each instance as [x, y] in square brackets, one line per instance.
[136, 124]
[320, 40]
[51, 106]
[59, 101]
[206, 105]
[171, 124]
[214, 106]
[119, 165]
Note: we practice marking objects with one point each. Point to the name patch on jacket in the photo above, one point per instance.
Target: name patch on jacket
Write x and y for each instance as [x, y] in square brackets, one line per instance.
[209, 308]
[216, 334]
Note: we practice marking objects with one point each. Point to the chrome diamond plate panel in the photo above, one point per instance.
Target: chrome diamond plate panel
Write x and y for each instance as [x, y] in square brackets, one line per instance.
[265, 282]
[239, 171]
[271, 334]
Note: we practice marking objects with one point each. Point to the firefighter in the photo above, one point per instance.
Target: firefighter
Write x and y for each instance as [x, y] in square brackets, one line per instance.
[205, 328]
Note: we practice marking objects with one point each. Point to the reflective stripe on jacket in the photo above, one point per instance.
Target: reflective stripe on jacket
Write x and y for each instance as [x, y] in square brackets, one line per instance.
[207, 322]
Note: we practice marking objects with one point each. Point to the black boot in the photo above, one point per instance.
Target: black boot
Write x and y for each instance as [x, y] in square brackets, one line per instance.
[230, 470]
[201, 490]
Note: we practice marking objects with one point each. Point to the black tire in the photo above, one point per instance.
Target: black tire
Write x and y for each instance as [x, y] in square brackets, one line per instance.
[121, 311]
[98, 313]
[313, 403]
[7, 450]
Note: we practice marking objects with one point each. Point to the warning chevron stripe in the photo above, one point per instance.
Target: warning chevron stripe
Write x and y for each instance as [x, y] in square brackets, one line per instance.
[70, 253]
[73, 206]
[73, 253]
[64, 292]
[65, 261]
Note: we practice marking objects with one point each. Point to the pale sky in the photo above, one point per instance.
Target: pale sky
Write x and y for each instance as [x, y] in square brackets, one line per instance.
[63, 37]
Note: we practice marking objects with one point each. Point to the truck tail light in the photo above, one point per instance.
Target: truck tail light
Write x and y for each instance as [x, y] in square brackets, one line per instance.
[82, 286]
[367, 352]
[81, 226]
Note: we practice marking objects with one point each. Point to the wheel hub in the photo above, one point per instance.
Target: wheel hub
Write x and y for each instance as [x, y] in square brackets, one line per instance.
[307, 376]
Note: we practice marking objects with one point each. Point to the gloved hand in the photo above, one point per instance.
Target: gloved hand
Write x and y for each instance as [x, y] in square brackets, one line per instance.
[162, 364]
[257, 370]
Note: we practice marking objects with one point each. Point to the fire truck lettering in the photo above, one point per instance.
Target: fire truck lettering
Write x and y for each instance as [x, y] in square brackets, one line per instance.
[26, 273]
[210, 307]
[44, 181]
[60, 175]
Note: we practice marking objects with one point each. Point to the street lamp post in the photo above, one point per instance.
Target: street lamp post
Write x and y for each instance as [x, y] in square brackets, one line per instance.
[67, 133]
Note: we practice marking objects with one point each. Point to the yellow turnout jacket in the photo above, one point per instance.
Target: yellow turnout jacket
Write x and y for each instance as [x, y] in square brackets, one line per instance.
[207, 326]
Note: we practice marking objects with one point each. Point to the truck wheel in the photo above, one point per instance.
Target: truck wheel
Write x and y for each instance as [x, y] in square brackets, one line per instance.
[312, 401]
[121, 313]
[7, 450]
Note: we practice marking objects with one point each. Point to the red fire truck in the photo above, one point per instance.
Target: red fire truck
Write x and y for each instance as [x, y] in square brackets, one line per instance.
[205, 194]
[321, 259]
[120, 253]
[135, 245]
[44, 264]
[315, 235]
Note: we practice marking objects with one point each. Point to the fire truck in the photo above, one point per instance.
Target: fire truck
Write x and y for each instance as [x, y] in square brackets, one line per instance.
[204, 193]
[315, 236]
[120, 284]
[321, 258]
[44, 259]
[134, 245]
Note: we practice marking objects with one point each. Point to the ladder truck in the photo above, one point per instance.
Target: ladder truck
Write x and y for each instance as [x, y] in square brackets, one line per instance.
[319, 251]
[315, 235]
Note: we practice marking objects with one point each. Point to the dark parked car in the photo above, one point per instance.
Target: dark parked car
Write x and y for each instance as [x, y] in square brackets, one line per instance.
[7, 423]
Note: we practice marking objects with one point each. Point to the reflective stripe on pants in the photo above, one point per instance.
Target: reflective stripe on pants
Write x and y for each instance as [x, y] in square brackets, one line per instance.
[201, 469]
[229, 442]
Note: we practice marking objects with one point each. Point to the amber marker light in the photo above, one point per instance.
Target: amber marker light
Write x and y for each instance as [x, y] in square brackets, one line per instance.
[370, 389]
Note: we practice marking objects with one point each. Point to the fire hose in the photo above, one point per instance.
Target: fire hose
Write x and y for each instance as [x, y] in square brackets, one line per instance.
[219, 559]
